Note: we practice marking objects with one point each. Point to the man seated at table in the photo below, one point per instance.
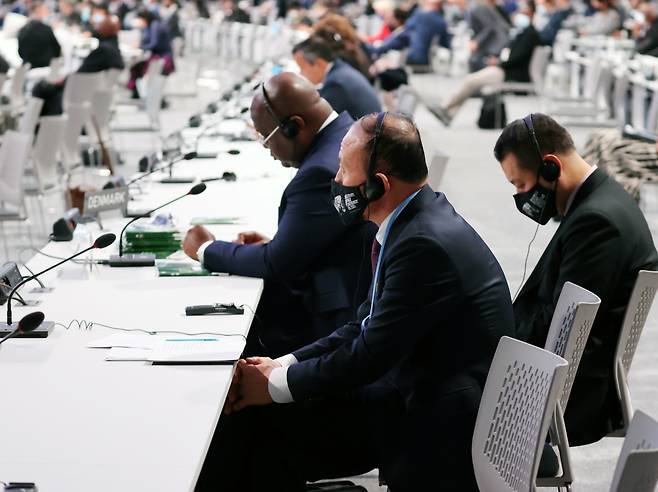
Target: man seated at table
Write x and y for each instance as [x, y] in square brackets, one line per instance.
[37, 44]
[399, 387]
[602, 243]
[342, 85]
[315, 268]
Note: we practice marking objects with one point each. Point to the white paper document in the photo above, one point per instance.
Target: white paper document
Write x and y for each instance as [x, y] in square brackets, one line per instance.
[124, 340]
[191, 349]
[127, 354]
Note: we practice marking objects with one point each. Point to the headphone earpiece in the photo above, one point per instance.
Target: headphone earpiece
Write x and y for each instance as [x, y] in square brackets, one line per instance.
[289, 128]
[549, 170]
[374, 188]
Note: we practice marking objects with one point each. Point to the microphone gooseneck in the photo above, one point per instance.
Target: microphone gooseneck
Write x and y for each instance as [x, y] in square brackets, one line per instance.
[102, 242]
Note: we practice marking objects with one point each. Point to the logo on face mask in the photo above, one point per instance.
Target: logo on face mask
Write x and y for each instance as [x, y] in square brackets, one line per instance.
[537, 203]
[349, 202]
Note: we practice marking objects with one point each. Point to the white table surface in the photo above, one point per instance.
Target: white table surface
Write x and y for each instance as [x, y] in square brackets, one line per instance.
[74, 422]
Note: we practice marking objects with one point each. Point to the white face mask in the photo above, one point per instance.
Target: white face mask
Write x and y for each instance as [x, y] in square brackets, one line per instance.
[521, 21]
[97, 18]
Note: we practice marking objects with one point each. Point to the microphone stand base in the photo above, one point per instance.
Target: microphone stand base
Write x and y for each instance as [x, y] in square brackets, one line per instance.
[41, 331]
[132, 260]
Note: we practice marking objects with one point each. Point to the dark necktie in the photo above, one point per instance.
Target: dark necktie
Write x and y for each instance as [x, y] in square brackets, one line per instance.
[374, 255]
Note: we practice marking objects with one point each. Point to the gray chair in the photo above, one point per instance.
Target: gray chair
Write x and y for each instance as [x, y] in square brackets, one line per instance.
[635, 318]
[570, 326]
[437, 169]
[637, 467]
[522, 389]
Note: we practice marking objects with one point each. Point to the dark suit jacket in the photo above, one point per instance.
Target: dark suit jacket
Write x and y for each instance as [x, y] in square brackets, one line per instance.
[600, 245]
[346, 89]
[425, 26]
[106, 55]
[313, 256]
[442, 304]
[37, 44]
[521, 48]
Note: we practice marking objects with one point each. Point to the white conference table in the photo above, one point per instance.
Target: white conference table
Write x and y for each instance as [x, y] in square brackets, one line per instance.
[75, 422]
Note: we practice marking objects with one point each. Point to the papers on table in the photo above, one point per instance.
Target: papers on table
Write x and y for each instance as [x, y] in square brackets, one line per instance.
[178, 349]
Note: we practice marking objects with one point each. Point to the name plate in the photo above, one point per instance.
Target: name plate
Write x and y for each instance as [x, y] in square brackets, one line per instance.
[100, 201]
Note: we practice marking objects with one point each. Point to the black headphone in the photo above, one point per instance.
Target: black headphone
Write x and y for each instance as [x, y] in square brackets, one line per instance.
[548, 169]
[374, 186]
[289, 127]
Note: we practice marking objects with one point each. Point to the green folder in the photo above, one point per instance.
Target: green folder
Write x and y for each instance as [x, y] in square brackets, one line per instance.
[181, 269]
[215, 220]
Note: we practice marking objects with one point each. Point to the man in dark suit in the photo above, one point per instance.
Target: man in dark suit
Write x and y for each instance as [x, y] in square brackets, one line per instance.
[602, 243]
[426, 24]
[342, 85]
[315, 268]
[37, 44]
[399, 387]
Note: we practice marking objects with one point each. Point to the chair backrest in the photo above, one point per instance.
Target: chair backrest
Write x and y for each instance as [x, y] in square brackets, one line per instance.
[619, 97]
[154, 93]
[652, 114]
[637, 311]
[14, 152]
[541, 55]
[80, 87]
[522, 388]
[56, 65]
[12, 23]
[111, 79]
[78, 116]
[642, 435]
[101, 105]
[30, 117]
[17, 85]
[437, 169]
[48, 141]
[570, 326]
[407, 101]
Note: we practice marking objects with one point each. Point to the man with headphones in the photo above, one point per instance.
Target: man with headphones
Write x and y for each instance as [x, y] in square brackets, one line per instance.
[398, 388]
[602, 243]
[315, 268]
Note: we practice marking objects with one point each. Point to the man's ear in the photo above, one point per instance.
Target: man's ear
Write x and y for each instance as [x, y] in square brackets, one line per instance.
[555, 166]
[299, 120]
[385, 181]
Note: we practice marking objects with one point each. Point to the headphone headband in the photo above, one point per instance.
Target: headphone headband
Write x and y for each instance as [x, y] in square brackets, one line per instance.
[288, 127]
[268, 105]
[379, 125]
[533, 136]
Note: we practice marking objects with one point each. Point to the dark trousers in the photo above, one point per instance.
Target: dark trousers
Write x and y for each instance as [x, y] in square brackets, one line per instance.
[281, 447]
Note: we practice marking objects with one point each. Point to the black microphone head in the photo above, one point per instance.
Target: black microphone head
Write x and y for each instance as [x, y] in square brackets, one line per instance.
[30, 321]
[104, 241]
[197, 188]
[190, 155]
[233, 151]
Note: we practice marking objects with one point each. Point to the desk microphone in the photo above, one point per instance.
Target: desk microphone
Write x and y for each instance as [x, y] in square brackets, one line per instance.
[145, 259]
[170, 165]
[28, 323]
[184, 157]
[214, 155]
[101, 242]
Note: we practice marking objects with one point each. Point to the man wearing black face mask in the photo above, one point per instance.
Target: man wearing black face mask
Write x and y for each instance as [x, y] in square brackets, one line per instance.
[602, 243]
[397, 388]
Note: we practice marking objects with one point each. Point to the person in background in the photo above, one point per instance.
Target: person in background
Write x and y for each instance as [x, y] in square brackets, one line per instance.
[426, 25]
[104, 57]
[490, 33]
[344, 87]
[37, 44]
[384, 9]
[68, 15]
[337, 31]
[558, 11]
[604, 21]
[169, 15]
[602, 243]
[513, 65]
[645, 29]
[156, 43]
[233, 13]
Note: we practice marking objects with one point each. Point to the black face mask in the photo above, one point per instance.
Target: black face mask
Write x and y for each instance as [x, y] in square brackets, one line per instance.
[350, 203]
[537, 203]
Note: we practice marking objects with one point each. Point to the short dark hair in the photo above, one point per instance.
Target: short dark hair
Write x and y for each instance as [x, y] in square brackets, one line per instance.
[314, 48]
[399, 148]
[551, 136]
[401, 15]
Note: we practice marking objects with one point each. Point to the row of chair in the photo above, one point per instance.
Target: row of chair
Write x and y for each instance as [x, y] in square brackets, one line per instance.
[528, 389]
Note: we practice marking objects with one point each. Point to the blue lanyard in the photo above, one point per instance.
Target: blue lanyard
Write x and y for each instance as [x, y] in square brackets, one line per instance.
[375, 278]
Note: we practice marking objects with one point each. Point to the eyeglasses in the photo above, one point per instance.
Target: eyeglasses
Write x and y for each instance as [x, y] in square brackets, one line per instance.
[264, 141]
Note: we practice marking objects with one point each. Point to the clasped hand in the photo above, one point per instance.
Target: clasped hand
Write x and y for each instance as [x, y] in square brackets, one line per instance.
[250, 384]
